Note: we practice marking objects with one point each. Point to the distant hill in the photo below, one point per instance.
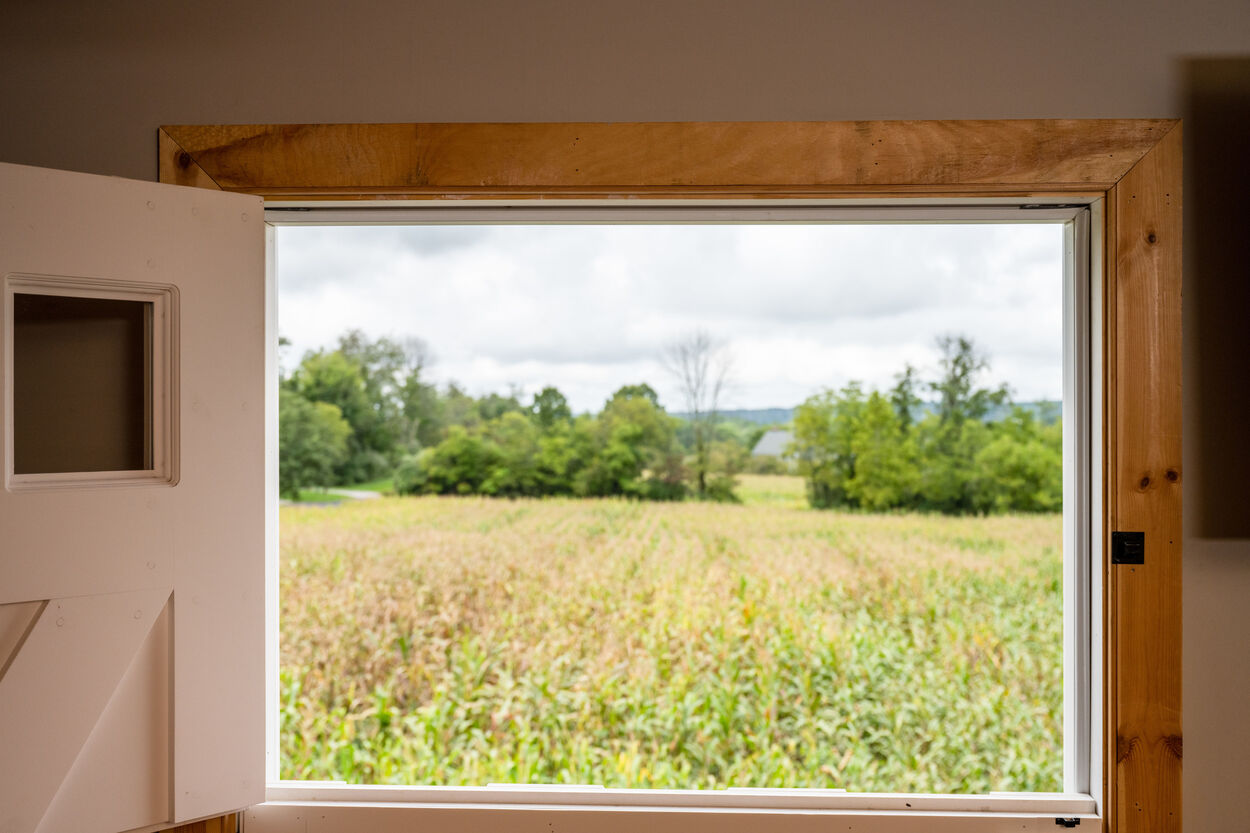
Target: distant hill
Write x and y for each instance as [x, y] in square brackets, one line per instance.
[758, 416]
[1046, 411]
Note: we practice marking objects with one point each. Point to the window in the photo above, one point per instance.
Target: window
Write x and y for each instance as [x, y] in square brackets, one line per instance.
[1134, 166]
[516, 294]
[93, 376]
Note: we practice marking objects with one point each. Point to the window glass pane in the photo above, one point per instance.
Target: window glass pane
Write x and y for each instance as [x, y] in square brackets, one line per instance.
[673, 506]
[81, 384]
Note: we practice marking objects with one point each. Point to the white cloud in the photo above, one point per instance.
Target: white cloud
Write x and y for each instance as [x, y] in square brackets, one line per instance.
[589, 308]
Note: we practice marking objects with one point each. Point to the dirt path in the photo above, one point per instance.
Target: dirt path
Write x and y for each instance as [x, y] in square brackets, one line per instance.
[355, 494]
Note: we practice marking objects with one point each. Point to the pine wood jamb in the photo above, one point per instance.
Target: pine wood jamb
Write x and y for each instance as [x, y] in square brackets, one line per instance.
[1134, 165]
[1145, 479]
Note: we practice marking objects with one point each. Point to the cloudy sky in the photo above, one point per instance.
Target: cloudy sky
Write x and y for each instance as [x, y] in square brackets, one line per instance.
[590, 308]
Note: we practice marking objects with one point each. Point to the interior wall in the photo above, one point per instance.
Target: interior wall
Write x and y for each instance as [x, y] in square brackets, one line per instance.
[1216, 291]
[83, 86]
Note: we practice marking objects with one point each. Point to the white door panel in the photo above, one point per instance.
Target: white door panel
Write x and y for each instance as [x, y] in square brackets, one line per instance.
[102, 734]
[120, 780]
[16, 620]
[56, 688]
[46, 562]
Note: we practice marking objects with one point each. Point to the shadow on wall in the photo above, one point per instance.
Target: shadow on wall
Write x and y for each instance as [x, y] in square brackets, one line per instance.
[1216, 110]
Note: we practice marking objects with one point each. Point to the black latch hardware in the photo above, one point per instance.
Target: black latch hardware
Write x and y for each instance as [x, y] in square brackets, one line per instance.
[1128, 548]
[1067, 822]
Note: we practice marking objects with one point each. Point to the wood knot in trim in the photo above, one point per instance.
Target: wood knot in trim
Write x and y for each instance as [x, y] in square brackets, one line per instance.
[1144, 484]
[418, 178]
[1172, 475]
[184, 159]
[1124, 748]
[1175, 744]
[1151, 238]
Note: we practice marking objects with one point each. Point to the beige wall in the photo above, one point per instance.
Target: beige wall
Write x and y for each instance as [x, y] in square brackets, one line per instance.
[84, 84]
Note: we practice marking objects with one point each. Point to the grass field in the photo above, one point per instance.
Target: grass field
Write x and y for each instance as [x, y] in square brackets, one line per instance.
[680, 645]
[316, 496]
[382, 485]
[776, 490]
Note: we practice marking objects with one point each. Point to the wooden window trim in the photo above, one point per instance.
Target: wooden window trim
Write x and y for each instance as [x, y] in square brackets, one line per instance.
[1134, 165]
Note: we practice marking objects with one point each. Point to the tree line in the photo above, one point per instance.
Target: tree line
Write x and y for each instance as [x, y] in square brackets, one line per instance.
[365, 410]
[967, 449]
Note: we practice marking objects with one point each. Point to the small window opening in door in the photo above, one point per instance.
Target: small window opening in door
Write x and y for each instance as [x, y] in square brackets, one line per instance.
[677, 506]
[82, 384]
[90, 383]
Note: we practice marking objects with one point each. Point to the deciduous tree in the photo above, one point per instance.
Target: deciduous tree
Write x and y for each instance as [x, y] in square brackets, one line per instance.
[701, 368]
[312, 442]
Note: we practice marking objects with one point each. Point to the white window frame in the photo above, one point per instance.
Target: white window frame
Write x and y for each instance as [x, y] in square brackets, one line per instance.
[333, 807]
[163, 382]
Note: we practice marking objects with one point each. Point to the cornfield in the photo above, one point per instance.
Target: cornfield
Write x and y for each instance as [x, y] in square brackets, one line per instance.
[445, 640]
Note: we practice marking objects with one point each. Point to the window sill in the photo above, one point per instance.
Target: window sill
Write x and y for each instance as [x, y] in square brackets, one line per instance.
[331, 807]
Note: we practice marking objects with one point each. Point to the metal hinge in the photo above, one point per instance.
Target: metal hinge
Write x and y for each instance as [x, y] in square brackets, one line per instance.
[1062, 822]
[1128, 548]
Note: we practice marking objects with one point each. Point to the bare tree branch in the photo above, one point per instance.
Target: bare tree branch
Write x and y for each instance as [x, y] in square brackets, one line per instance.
[702, 369]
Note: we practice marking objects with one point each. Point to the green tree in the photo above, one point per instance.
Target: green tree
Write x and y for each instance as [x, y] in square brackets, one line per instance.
[330, 377]
[312, 442]
[411, 476]
[1021, 468]
[420, 412]
[515, 471]
[959, 398]
[946, 452]
[563, 451]
[949, 439]
[825, 428]
[632, 444]
[550, 409]
[423, 413]
[641, 390]
[459, 465]
[383, 365]
[493, 405]
[904, 398]
[885, 475]
[459, 408]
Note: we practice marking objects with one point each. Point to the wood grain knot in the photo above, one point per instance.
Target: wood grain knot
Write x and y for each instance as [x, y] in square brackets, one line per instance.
[184, 159]
[1145, 482]
[1124, 748]
[1151, 238]
[1175, 745]
[1172, 475]
[419, 178]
